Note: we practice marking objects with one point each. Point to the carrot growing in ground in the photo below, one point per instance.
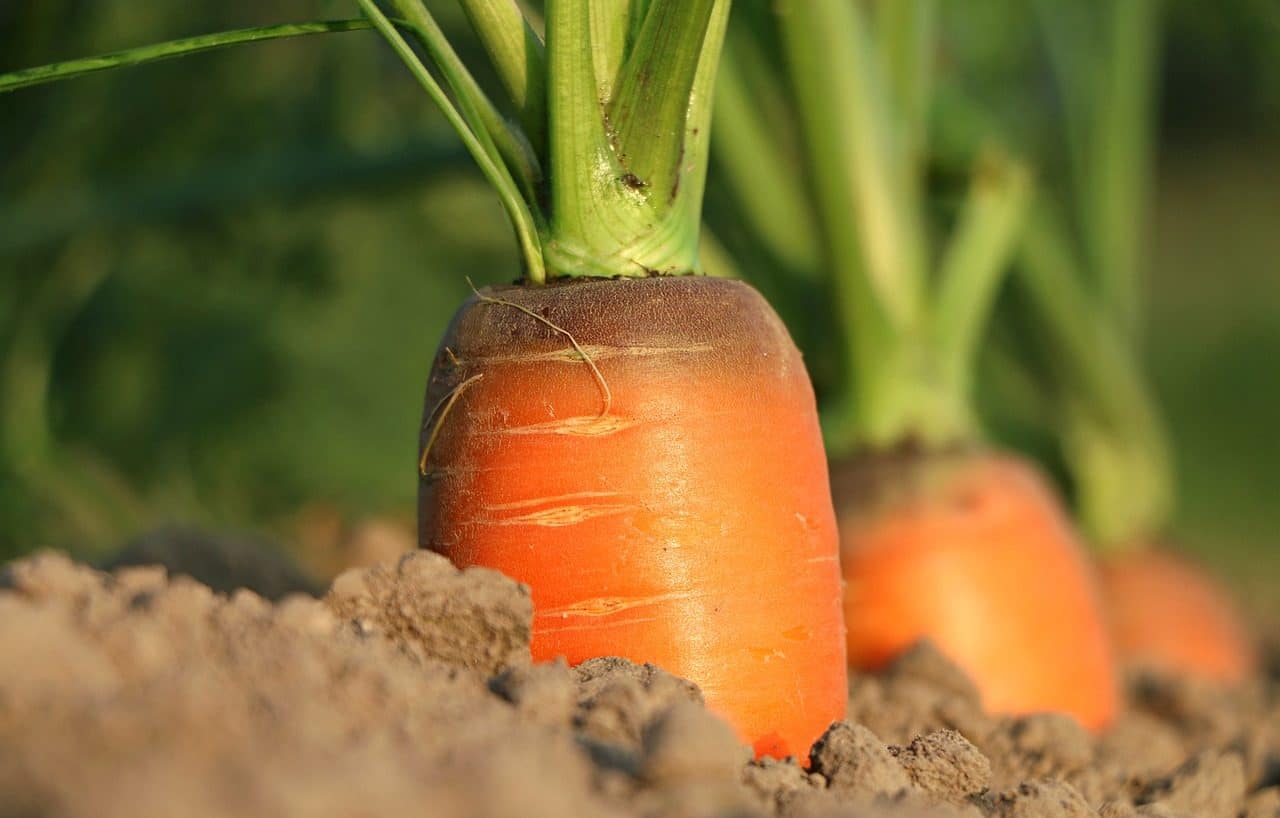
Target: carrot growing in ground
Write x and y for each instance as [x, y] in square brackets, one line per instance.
[942, 537]
[637, 443]
[1080, 278]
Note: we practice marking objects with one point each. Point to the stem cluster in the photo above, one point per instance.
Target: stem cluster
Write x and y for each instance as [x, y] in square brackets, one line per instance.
[911, 315]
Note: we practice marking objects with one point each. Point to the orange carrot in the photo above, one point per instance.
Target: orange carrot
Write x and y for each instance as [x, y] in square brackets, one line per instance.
[645, 454]
[972, 551]
[1168, 613]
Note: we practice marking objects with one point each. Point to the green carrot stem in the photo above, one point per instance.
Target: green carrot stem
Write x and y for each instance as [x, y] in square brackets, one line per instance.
[481, 147]
[910, 337]
[627, 175]
[142, 55]
[520, 59]
[974, 263]
[1114, 437]
[845, 112]
[867, 317]
[648, 112]
[906, 31]
[771, 195]
[627, 169]
[1120, 154]
[503, 141]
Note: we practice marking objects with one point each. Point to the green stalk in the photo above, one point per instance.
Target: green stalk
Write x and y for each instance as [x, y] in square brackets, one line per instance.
[770, 194]
[867, 318]
[1120, 156]
[910, 336]
[691, 164]
[975, 262]
[845, 112]
[502, 141]
[520, 59]
[1114, 439]
[626, 152]
[611, 34]
[480, 145]
[582, 200]
[906, 32]
[168, 50]
[649, 112]
[1087, 298]
[626, 190]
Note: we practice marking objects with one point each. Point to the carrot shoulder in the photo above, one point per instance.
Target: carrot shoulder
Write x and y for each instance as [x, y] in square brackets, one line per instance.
[645, 454]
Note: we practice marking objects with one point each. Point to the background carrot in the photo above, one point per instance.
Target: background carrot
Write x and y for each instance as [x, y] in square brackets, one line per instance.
[941, 537]
[1168, 613]
[953, 556]
[1080, 287]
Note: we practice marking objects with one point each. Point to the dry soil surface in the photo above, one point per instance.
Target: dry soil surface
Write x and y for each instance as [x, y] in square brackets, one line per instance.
[408, 690]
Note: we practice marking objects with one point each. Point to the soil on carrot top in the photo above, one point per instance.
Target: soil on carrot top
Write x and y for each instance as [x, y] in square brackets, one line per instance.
[407, 689]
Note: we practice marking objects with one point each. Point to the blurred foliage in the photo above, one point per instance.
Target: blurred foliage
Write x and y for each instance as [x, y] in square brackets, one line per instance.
[225, 276]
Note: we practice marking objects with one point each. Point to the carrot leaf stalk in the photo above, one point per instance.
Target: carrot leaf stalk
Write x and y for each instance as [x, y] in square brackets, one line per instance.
[627, 172]
[519, 56]
[1114, 440]
[1105, 69]
[912, 317]
[1080, 275]
[466, 119]
[615, 112]
[156, 52]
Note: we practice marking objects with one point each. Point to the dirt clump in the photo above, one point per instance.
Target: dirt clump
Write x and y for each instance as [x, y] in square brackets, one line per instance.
[477, 619]
[946, 766]
[408, 690]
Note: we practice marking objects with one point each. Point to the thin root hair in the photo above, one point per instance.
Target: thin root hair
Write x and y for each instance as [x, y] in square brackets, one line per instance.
[438, 413]
[595, 370]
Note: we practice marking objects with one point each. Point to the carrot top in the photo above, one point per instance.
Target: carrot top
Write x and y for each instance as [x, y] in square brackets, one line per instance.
[858, 81]
[1080, 265]
[602, 169]
[603, 175]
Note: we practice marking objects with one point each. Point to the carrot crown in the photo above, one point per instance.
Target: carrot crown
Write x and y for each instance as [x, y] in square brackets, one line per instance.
[910, 317]
[602, 169]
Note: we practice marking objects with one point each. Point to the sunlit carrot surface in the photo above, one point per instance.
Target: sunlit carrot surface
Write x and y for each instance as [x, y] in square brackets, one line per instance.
[670, 507]
[1168, 613]
[972, 551]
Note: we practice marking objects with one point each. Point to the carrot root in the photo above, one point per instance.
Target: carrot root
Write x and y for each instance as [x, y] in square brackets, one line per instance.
[689, 524]
[972, 551]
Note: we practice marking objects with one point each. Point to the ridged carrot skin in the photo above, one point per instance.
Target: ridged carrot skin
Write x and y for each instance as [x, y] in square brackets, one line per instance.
[672, 509]
[972, 551]
[1168, 613]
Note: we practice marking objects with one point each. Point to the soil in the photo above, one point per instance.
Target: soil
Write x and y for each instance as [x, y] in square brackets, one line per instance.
[408, 690]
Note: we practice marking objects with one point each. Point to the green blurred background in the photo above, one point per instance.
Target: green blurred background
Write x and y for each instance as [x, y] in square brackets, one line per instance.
[225, 276]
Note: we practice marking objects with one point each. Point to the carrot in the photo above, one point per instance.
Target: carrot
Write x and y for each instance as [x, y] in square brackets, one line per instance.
[942, 537]
[1078, 273]
[637, 443]
[1168, 614]
[646, 455]
[972, 551]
